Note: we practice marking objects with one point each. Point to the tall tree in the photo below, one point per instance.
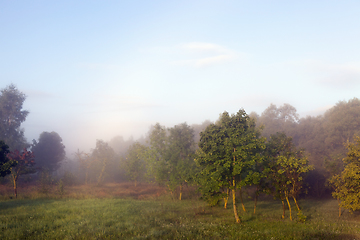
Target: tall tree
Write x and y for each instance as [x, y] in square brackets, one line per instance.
[5, 163]
[179, 157]
[170, 155]
[49, 151]
[11, 117]
[228, 151]
[156, 154]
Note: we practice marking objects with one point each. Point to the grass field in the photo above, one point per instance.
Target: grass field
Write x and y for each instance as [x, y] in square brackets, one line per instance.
[160, 217]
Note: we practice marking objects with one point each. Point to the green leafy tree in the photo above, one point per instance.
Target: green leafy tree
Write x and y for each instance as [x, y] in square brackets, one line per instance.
[155, 155]
[347, 184]
[24, 165]
[179, 156]
[134, 163]
[5, 163]
[11, 117]
[170, 155]
[228, 151]
[285, 168]
[49, 151]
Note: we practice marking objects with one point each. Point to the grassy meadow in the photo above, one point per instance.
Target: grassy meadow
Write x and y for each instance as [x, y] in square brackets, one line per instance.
[121, 211]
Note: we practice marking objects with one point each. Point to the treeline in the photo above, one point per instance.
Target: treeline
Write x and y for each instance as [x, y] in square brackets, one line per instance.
[267, 152]
[323, 137]
[275, 153]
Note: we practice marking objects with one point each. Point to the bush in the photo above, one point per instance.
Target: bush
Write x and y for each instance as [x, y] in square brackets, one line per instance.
[69, 179]
[60, 186]
[45, 181]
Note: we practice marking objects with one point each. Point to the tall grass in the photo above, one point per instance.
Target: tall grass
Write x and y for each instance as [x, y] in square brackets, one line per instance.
[111, 218]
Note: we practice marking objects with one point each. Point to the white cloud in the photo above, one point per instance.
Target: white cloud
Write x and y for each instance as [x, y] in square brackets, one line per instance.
[200, 54]
[205, 47]
[207, 61]
[99, 66]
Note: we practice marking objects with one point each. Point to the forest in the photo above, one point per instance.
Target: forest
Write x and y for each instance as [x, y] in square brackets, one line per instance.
[274, 153]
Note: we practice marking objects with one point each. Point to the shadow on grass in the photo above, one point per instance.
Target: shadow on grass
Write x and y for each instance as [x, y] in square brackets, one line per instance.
[20, 203]
[330, 236]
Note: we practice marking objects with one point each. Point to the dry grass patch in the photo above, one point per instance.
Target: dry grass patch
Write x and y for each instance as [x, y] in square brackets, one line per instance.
[107, 190]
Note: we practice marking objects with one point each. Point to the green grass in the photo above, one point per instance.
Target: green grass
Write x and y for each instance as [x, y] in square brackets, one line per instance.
[164, 219]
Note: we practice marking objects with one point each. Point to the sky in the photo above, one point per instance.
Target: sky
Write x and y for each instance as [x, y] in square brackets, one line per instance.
[97, 69]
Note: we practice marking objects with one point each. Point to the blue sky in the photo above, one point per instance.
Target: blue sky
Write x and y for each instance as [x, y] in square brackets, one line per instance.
[96, 69]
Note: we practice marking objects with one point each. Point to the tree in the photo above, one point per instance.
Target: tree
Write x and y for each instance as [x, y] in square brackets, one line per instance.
[155, 154]
[103, 155]
[11, 117]
[347, 184]
[228, 151]
[285, 167]
[179, 156]
[5, 163]
[134, 162]
[341, 122]
[170, 155]
[278, 119]
[25, 165]
[323, 138]
[49, 151]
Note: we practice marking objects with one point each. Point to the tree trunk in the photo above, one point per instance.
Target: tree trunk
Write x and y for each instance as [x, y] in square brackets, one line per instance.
[234, 197]
[287, 199]
[226, 199]
[15, 187]
[256, 198]
[235, 208]
[101, 174]
[339, 208]
[296, 203]
[283, 215]
[234, 203]
[180, 192]
[242, 202]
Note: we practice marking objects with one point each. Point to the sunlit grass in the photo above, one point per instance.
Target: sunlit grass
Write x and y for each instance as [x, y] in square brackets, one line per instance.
[165, 219]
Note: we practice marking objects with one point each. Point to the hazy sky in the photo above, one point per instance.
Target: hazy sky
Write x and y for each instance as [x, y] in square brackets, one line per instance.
[95, 69]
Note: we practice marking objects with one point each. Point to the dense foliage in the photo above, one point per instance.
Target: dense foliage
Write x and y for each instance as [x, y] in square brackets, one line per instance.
[347, 183]
[11, 117]
[227, 155]
[5, 163]
[49, 151]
